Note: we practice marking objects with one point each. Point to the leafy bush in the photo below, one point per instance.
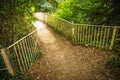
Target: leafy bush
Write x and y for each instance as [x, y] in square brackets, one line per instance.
[105, 12]
[15, 20]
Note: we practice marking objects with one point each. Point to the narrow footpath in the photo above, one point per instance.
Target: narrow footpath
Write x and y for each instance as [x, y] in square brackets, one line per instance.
[61, 60]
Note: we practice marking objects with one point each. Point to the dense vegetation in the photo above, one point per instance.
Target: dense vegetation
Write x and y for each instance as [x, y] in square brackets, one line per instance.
[105, 12]
[16, 17]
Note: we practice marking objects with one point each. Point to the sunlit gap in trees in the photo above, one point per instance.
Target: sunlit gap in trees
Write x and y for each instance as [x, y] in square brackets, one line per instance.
[38, 24]
[41, 16]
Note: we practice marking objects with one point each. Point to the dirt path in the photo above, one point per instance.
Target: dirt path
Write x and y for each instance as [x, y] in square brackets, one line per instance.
[63, 61]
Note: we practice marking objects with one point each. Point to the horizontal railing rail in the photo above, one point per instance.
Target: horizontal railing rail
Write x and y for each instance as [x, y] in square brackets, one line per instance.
[21, 39]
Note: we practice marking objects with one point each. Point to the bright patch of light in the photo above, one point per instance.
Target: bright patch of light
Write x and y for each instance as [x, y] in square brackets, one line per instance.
[44, 34]
[41, 16]
[38, 24]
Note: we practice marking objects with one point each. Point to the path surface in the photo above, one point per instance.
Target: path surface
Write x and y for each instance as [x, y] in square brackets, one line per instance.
[63, 61]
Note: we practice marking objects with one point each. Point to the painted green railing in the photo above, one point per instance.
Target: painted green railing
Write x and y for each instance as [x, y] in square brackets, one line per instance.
[99, 36]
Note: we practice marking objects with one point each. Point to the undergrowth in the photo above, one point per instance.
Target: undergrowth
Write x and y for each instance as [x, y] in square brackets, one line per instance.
[113, 66]
[4, 75]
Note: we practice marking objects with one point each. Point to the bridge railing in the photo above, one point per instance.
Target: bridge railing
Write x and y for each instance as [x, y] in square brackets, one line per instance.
[99, 36]
[117, 39]
[19, 56]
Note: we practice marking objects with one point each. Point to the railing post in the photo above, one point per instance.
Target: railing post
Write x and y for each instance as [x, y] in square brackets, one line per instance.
[7, 61]
[73, 33]
[113, 37]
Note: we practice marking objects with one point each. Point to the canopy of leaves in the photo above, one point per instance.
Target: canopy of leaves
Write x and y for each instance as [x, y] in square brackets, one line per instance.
[105, 12]
[15, 19]
[47, 5]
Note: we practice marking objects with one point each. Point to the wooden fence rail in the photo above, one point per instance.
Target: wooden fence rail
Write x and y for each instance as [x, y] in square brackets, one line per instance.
[22, 54]
[99, 36]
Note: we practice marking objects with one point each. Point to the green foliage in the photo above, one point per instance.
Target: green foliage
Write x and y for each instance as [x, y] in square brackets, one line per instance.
[47, 5]
[113, 66]
[65, 11]
[105, 12]
[15, 20]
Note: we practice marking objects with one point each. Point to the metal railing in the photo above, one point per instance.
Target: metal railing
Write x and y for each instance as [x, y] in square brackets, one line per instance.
[22, 54]
[99, 36]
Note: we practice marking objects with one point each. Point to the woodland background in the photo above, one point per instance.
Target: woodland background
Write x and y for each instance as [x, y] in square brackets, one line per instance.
[16, 17]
